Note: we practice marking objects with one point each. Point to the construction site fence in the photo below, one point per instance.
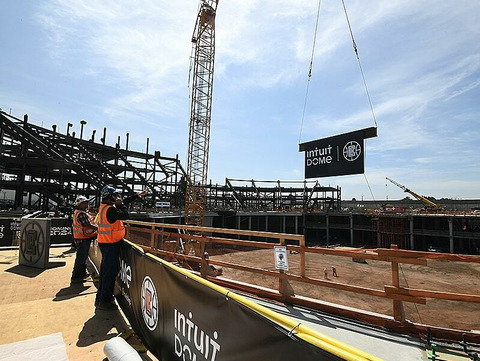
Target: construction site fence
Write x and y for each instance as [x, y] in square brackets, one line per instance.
[204, 249]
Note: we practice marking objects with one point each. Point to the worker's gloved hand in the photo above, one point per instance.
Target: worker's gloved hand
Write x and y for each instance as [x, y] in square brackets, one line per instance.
[142, 193]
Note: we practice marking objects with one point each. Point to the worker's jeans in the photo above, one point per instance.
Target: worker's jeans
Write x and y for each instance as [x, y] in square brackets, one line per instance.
[108, 271]
[79, 268]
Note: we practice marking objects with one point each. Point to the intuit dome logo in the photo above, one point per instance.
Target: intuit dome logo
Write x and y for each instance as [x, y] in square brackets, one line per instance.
[192, 341]
[338, 155]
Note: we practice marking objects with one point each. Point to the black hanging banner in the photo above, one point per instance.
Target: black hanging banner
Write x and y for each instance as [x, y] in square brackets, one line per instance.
[338, 155]
[180, 318]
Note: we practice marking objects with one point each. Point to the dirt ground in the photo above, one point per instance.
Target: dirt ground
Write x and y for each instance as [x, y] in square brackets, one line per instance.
[442, 276]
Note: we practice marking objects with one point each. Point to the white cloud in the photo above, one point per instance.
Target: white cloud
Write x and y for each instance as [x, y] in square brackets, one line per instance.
[129, 61]
[137, 46]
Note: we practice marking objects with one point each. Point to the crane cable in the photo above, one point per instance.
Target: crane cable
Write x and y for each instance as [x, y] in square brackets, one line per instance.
[361, 71]
[364, 83]
[416, 308]
[370, 189]
[359, 64]
[310, 69]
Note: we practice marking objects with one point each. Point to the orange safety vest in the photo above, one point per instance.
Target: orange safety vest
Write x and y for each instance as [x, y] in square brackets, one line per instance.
[80, 231]
[108, 232]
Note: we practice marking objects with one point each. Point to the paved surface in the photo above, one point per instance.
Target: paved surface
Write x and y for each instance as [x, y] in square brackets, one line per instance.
[35, 303]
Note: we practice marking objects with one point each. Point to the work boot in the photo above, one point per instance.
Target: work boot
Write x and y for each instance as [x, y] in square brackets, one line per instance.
[85, 274]
[71, 250]
[107, 306]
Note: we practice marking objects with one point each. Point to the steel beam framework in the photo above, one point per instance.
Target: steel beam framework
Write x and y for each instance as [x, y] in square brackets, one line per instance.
[48, 170]
[257, 196]
[51, 169]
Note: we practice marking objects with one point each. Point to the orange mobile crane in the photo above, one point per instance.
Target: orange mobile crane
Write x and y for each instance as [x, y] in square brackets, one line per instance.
[428, 203]
[203, 43]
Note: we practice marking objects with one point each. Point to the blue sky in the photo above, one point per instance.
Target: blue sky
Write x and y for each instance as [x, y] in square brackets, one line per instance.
[124, 65]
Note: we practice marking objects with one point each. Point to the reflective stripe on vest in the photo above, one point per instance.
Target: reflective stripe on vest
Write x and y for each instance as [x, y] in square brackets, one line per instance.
[108, 232]
[80, 231]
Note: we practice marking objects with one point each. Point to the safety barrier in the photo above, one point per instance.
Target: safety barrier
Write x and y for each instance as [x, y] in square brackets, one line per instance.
[203, 249]
[181, 316]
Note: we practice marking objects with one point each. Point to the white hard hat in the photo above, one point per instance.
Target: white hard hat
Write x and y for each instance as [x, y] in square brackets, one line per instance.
[80, 199]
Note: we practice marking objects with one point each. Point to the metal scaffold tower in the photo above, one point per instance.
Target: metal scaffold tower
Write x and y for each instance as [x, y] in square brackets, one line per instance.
[203, 42]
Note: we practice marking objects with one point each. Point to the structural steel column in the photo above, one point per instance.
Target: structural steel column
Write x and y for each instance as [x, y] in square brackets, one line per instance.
[379, 238]
[351, 230]
[450, 233]
[328, 229]
[412, 237]
[18, 204]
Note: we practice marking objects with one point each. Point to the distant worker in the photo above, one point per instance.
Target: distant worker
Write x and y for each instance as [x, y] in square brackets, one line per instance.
[110, 234]
[334, 271]
[84, 232]
[325, 273]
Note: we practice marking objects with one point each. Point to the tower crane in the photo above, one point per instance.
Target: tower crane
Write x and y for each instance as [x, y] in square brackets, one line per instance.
[428, 203]
[203, 49]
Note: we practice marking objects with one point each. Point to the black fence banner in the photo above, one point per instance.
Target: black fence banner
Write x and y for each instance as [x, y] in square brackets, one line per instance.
[180, 316]
[61, 231]
[9, 231]
[338, 155]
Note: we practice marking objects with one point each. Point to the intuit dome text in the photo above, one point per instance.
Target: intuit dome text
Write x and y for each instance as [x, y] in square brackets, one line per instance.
[339, 155]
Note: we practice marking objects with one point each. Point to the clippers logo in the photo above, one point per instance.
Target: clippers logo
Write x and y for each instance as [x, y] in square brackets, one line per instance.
[149, 303]
[351, 151]
[32, 242]
[125, 273]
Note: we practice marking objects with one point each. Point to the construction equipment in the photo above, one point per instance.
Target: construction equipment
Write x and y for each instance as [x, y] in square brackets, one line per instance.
[203, 43]
[428, 203]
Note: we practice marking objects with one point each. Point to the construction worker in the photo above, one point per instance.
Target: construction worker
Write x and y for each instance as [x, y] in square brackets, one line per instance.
[334, 271]
[110, 234]
[84, 232]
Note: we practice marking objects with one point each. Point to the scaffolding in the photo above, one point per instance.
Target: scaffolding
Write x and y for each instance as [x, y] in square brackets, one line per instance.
[390, 230]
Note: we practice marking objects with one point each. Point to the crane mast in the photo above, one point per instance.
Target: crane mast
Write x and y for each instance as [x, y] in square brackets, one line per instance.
[203, 43]
[429, 203]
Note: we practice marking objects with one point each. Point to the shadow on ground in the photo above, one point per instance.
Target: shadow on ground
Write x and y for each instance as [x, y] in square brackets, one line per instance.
[25, 271]
[73, 290]
[32, 272]
[102, 326]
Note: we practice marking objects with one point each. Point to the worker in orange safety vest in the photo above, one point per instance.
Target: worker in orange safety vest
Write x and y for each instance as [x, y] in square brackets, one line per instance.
[84, 232]
[112, 211]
